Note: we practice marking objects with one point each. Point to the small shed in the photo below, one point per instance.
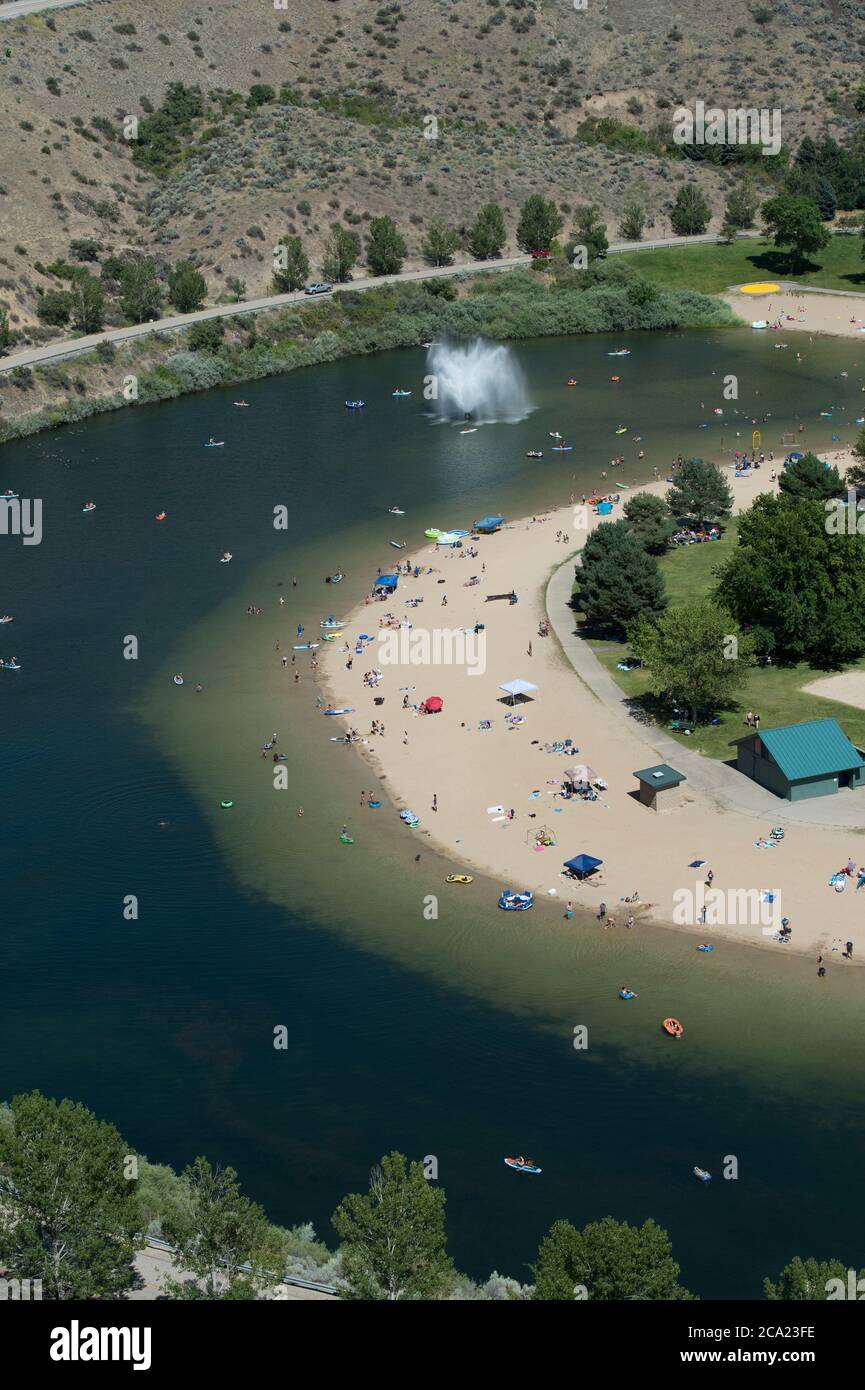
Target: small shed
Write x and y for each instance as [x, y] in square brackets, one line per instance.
[659, 787]
[801, 761]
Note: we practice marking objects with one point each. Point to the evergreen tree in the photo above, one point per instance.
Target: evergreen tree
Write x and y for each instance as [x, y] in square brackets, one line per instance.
[808, 477]
[741, 207]
[618, 581]
[385, 247]
[589, 231]
[648, 518]
[700, 492]
[690, 214]
[187, 287]
[341, 251]
[68, 1208]
[488, 235]
[610, 1260]
[5, 332]
[540, 223]
[440, 243]
[393, 1237]
[293, 270]
[825, 198]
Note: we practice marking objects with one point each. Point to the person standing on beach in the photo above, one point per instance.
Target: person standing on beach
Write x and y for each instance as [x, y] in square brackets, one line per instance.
[569, 911]
[530, 647]
[435, 802]
[602, 912]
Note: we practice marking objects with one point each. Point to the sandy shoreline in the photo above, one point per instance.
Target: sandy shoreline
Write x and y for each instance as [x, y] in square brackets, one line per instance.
[803, 311]
[470, 771]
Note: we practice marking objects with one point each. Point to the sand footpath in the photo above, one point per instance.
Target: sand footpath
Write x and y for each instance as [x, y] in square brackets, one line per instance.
[474, 776]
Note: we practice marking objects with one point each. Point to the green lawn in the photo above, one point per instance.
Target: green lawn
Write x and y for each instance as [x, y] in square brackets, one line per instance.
[712, 269]
[772, 691]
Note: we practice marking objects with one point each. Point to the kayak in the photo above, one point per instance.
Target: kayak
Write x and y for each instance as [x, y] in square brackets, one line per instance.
[397, 545]
[346, 839]
[91, 507]
[522, 1167]
[704, 946]
[473, 430]
[396, 511]
[400, 393]
[622, 352]
[622, 430]
[354, 405]
[338, 711]
[702, 1175]
[307, 647]
[673, 1027]
[216, 444]
[10, 666]
[563, 448]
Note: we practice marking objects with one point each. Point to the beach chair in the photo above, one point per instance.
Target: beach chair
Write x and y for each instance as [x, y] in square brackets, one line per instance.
[683, 726]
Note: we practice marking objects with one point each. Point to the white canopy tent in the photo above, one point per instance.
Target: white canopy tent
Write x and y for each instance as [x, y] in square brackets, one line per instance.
[515, 688]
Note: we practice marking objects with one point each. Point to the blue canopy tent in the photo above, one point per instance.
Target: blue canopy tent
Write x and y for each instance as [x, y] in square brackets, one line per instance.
[489, 523]
[385, 583]
[583, 864]
[793, 457]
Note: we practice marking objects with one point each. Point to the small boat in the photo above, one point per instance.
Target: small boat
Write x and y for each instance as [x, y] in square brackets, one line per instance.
[10, 665]
[329, 621]
[534, 454]
[178, 680]
[400, 393]
[354, 405]
[516, 902]
[227, 557]
[215, 444]
[673, 1027]
[760, 323]
[620, 352]
[397, 545]
[89, 507]
[522, 1167]
[396, 511]
[459, 878]
[161, 516]
[9, 495]
[704, 946]
[702, 1174]
[627, 994]
[338, 711]
[473, 430]
[307, 647]
[7, 618]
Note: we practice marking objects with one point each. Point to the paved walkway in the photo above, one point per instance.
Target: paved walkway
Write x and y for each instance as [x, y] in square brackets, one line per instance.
[19, 8]
[728, 789]
[154, 1264]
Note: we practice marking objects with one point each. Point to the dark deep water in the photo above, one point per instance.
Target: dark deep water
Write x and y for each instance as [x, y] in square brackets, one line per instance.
[164, 1025]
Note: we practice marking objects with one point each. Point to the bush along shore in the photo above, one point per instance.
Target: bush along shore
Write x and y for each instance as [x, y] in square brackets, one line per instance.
[608, 297]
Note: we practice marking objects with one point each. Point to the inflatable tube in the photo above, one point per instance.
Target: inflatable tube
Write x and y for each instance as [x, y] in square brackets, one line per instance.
[346, 839]
[627, 994]
[459, 878]
[673, 1027]
[178, 680]
[226, 805]
[373, 805]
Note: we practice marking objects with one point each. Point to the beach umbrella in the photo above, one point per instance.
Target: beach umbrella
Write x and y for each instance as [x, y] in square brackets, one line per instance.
[515, 688]
[583, 864]
[794, 457]
[434, 704]
[580, 773]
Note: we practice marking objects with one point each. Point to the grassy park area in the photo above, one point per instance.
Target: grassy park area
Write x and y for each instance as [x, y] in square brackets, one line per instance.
[712, 269]
[772, 691]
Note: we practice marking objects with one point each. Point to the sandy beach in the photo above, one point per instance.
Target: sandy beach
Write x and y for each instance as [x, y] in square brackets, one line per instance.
[803, 311]
[463, 779]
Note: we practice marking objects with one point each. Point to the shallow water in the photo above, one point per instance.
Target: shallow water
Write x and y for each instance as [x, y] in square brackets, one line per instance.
[454, 1036]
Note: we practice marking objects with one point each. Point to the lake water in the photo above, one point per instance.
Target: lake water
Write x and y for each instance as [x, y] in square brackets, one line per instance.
[451, 1037]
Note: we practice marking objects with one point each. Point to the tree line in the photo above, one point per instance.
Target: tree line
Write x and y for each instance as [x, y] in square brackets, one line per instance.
[75, 1201]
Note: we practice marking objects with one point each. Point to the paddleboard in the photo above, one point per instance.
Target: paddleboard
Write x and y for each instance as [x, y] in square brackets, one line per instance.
[338, 711]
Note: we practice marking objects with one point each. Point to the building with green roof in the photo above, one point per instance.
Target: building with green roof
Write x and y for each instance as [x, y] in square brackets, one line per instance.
[799, 761]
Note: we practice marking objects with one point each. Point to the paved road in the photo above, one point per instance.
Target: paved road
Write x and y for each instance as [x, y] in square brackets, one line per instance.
[716, 780]
[70, 346]
[25, 7]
